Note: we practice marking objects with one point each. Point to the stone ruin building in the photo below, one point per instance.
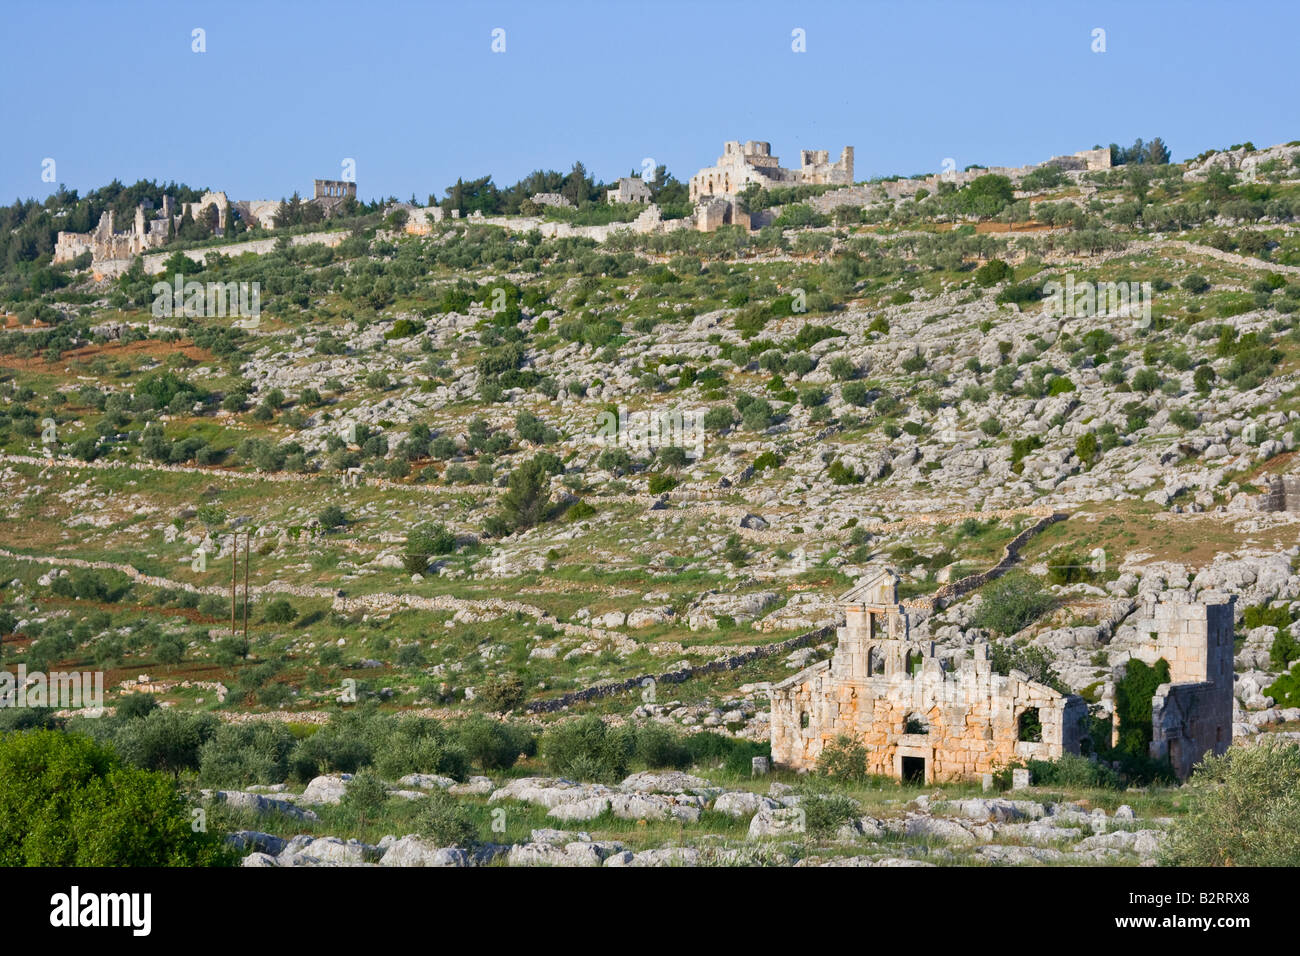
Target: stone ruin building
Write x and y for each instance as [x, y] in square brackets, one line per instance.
[147, 231]
[1087, 160]
[329, 194]
[1192, 714]
[922, 720]
[753, 163]
[629, 189]
[1283, 494]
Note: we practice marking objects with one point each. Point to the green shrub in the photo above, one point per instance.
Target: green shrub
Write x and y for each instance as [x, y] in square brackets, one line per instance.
[1021, 294]
[279, 611]
[1285, 691]
[658, 484]
[580, 511]
[1073, 771]
[993, 272]
[364, 797]
[1263, 615]
[445, 822]
[1068, 567]
[856, 393]
[1011, 603]
[493, 745]
[841, 474]
[844, 758]
[656, 746]
[133, 706]
[414, 745]
[68, 801]
[165, 740]
[1285, 649]
[332, 517]
[341, 746]
[501, 692]
[586, 749]
[1245, 810]
[425, 541]
[826, 813]
[238, 755]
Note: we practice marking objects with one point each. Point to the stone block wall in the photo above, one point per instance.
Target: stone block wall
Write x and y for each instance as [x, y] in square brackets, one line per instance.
[1192, 714]
[1189, 721]
[1283, 492]
[971, 718]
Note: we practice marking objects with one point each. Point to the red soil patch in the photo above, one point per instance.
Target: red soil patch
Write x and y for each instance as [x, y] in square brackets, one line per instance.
[150, 347]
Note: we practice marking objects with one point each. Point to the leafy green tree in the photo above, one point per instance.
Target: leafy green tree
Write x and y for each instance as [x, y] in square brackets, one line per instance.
[332, 517]
[588, 749]
[66, 800]
[279, 611]
[425, 541]
[527, 500]
[993, 272]
[165, 740]
[985, 196]
[501, 692]
[1085, 448]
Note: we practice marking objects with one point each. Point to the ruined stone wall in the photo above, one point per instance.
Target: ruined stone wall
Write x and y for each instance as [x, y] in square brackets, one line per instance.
[816, 169]
[972, 718]
[754, 163]
[1192, 714]
[1283, 492]
[1188, 721]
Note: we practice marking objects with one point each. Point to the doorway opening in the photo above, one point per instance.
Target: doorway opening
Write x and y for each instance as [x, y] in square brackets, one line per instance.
[913, 770]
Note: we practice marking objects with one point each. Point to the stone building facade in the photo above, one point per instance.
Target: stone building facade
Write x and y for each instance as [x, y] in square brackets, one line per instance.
[1192, 714]
[753, 163]
[918, 720]
[629, 189]
[329, 194]
[924, 721]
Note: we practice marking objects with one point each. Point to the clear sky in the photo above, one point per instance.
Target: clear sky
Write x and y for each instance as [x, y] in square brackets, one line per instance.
[413, 92]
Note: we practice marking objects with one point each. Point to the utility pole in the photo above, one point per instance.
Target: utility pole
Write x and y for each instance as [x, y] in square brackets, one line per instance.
[247, 536]
[234, 570]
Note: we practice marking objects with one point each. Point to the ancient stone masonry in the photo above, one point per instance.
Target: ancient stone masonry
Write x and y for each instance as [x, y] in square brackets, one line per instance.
[629, 189]
[1087, 160]
[329, 194]
[552, 199]
[1192, 714]
[918, 720]
[753, 163]
[146, 232]
[1283, 494]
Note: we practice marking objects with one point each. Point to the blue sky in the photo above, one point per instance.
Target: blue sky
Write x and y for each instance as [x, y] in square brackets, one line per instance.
[414, 94]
